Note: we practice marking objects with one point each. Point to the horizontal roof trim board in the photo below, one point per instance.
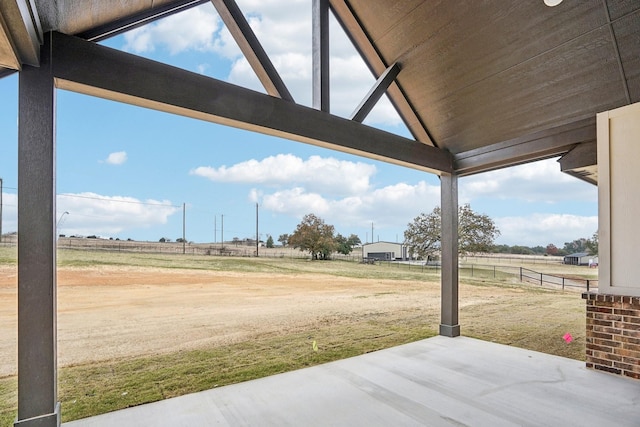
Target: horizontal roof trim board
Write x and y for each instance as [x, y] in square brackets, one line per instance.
[537, 146]
[97, 70]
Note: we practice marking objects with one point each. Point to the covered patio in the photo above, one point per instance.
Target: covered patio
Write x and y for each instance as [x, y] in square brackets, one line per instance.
[439, 381]
[480, 85]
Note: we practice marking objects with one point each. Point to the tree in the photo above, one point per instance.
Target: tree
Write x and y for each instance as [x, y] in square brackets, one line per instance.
[284, 239]
[423, 234]
[552, 249]
[269, 241]
[345, 244]
[578, 245]
[314, 236]
[476, 232]
[592, 244]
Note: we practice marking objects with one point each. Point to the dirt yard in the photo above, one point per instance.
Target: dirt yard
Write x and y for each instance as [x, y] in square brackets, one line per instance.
[112, 312]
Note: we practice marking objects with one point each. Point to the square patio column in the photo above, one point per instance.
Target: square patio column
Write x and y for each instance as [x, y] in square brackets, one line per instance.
[449, 248]
[37, 361]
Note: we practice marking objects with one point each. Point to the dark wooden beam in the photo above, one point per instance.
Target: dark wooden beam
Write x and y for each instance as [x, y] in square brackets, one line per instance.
[97, 70]
[251, 48]
[538, 146]
[363, 44]
[320, 53]
[378, 89]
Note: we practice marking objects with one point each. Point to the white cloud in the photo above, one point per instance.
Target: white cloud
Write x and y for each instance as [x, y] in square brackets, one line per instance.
[285, 34]
[117, 158]
[95, 214]
[9, 212]
[541, 229]
[538, 182]
[390, 206]
[326, 174]
[193, 29]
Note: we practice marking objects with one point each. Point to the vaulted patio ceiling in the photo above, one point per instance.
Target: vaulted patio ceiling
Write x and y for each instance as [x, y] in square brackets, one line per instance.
[494, 83]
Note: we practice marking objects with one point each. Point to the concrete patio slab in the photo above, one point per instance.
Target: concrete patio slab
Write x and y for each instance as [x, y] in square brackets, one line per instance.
[435, 382]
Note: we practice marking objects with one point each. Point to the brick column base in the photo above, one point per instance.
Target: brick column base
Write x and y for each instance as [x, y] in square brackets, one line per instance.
[613, 334]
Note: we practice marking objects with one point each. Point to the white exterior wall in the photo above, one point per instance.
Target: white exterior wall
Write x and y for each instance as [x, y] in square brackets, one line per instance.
[395, 248]
[619, 200]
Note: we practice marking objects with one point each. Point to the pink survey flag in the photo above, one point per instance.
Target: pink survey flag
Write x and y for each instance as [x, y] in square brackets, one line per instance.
[567, 338]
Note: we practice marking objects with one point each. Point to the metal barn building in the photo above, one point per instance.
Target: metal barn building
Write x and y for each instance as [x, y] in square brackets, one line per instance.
[385, 251]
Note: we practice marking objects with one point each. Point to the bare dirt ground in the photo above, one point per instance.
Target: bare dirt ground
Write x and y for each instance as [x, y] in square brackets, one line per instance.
[114, 312]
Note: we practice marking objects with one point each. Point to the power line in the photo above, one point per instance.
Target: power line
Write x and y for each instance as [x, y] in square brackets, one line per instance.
[118, 201]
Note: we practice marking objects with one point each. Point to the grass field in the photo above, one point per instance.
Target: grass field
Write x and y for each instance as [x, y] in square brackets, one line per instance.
[235, 319]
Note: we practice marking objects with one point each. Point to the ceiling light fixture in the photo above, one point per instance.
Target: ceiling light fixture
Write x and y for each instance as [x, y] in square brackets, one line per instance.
[552, 3]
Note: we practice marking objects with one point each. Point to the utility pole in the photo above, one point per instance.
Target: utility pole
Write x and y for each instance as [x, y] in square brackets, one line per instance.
[257, 235]
[372, 232]
[184, 241]
[215, 230]
[222, 230]
[0, 210]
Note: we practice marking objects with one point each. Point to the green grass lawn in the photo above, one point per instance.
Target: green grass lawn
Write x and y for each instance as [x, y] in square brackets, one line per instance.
[529, 317]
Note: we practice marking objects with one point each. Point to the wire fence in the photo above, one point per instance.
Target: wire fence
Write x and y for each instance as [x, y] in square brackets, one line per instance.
[470, 268]
[502, 272]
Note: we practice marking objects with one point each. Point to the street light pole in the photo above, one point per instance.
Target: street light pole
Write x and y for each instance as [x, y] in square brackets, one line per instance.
[60, 219]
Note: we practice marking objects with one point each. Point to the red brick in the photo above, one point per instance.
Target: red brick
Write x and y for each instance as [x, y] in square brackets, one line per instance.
[635, 363]
[602, 362]
[610, 343]
[606, 330]
[608, 369]
[624, 312]
[600, 322]
[627, 353]
[628, 326]
[632, 375]
[600, 335]
[600, 309]
[623, 366]
[629, 341]
[632, 319]
[599, 347]
[629, 333]
[608, 316]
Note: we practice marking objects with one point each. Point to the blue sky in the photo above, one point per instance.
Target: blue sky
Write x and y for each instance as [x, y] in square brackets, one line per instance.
[124, 172]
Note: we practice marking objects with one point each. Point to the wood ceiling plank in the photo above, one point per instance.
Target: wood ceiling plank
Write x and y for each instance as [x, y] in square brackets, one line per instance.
[575, 80]
[628, 38]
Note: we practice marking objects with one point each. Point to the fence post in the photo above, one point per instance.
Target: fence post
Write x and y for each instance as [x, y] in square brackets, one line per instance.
[494, 271]
[563, 283]
[540, 279]
[587, 285]
[521, 274]
[471, 270]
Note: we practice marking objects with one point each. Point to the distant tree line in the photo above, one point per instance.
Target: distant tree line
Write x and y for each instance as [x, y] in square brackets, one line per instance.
[581, 245]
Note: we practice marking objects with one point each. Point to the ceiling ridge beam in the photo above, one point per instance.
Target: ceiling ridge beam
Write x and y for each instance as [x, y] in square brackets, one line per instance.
[616, 50]
[251, 48]
[97, 70]
[379, 88]
[372, 57]
[147, 16]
